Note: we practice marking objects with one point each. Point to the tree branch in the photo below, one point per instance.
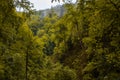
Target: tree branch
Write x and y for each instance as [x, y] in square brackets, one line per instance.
[115, 5]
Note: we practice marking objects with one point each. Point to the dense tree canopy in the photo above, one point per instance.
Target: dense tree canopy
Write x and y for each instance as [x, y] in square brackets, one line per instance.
[83, 44]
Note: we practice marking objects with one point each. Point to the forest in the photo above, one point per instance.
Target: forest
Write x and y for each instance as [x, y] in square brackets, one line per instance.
[82, 44]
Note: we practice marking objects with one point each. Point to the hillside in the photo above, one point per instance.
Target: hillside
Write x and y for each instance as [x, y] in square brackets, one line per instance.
[59, 10]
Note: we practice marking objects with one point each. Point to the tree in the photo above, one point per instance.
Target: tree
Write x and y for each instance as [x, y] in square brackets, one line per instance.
[102, 42]
[14, 44]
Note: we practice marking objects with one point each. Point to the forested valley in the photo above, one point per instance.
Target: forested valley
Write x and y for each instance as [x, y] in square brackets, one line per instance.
[82, 44]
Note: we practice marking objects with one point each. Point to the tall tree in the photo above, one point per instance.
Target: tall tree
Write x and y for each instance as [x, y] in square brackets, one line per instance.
[103, 42]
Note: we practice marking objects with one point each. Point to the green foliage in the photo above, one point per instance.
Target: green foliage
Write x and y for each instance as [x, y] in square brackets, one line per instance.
[91, 31]
[101, 47]
[15, 39]
[65, 74]
[81, 45]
